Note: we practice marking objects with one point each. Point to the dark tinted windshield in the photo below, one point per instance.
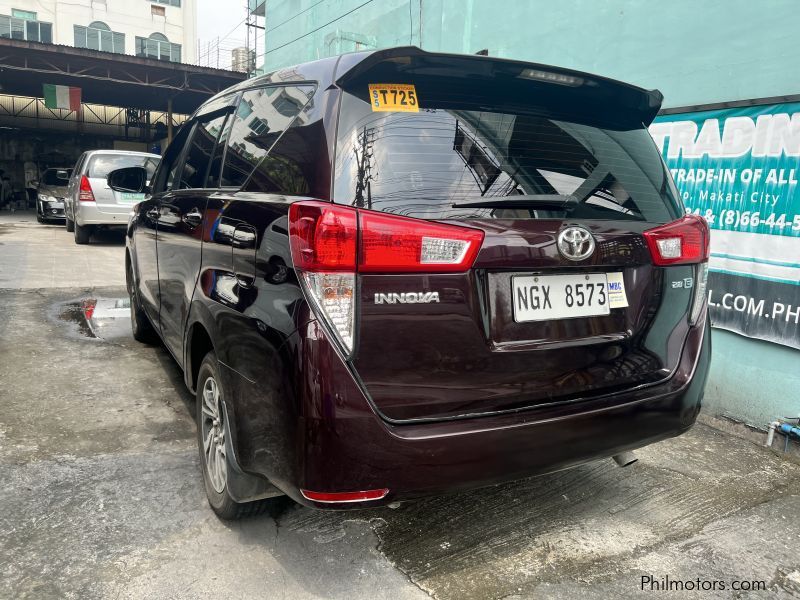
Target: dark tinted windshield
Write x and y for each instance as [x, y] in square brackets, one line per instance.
[483, 159]
[101, 165]
[56, 177]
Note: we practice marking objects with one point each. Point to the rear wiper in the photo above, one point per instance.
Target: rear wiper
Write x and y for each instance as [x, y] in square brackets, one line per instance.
[541, 201]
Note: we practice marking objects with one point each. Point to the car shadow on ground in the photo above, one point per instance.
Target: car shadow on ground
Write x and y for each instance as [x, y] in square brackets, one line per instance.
[107, 237]
[175, 377]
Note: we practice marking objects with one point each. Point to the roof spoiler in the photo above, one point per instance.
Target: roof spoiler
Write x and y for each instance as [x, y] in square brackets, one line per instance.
[636, 104]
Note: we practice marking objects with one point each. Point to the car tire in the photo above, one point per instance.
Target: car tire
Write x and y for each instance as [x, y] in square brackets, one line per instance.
[141, 327]
[39, 218]
[211, 443]
[69, 224]
[83, 233]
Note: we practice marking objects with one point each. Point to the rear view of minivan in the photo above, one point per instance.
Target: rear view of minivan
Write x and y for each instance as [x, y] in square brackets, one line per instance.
[409, 273]
[89, 202]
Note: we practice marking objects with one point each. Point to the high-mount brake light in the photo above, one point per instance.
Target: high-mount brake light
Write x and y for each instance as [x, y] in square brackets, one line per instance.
[681, 242]
[330, 243]
[86, 194]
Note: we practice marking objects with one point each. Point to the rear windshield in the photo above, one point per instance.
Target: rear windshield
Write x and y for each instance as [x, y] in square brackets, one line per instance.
[484, 161]
[56, 176]
[101, 165]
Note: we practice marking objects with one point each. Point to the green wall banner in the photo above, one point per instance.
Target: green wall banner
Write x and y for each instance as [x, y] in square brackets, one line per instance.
[739, 168]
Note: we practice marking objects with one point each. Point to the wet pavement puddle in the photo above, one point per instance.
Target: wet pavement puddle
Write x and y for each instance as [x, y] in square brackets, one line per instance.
[98, 318]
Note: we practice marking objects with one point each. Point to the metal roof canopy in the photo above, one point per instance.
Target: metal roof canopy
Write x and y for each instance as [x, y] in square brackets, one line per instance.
[107, 78]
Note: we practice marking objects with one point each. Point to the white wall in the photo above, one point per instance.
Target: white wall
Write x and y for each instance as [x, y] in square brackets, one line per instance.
[131, 17]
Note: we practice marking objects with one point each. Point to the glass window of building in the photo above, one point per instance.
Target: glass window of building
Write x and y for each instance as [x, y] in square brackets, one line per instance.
[159, 47]
[98, 36]
[27, 29]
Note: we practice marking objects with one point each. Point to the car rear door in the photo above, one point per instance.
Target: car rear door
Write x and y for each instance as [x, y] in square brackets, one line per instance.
[563, 298]
[181, 216]
[145, 232]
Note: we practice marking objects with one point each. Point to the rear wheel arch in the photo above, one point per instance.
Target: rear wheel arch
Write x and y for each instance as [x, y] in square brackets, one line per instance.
[198, 344]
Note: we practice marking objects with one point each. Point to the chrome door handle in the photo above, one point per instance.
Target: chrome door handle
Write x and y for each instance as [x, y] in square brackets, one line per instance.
[153, 214]
[193, 218]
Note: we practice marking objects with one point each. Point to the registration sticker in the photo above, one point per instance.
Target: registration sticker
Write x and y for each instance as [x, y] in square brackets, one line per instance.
[393, 97]
[616, 291]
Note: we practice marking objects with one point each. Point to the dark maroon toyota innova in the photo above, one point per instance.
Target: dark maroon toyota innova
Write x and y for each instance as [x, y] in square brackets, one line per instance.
[397, 273]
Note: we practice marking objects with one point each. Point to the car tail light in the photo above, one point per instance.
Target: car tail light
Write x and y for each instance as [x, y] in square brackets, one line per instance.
[392, 244]
[684, 242]
[681, 242]
[330, 244]
[86, 193]
[700, 287]
[335, 497]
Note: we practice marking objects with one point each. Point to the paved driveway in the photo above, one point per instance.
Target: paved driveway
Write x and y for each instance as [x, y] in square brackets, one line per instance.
[101, 493]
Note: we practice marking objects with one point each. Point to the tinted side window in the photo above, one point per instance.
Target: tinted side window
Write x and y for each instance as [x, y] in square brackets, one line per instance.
[215, 170]
[262, 116]
[202, 145]
[170, 161]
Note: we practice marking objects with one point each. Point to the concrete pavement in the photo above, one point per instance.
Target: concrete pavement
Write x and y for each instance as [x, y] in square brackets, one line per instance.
[102, 495]
[46, 256]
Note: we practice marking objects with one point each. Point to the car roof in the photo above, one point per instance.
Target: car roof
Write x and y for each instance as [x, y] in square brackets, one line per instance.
[338, 70]
[121, 153]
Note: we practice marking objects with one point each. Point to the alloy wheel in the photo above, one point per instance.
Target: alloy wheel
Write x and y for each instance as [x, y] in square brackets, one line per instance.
[213, 434]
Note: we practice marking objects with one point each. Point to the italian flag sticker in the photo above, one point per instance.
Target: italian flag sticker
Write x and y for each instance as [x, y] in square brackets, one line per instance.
[61, 96]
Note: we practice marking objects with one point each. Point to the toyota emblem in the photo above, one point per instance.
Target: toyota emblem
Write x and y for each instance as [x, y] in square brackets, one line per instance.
[575, 243]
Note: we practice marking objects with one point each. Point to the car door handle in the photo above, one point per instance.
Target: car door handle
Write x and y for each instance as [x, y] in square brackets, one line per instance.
[193, 218]
[153, 214]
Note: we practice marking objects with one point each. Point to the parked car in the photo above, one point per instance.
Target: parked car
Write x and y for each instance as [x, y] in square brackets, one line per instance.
[399, 273]
[50, 193]
[90, 203]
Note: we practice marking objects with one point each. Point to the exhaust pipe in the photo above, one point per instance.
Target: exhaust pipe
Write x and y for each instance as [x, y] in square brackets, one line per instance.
[624, 459]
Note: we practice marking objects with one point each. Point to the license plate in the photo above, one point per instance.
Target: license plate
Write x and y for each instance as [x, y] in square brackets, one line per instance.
[56, 205]
[131, 197]
[546, 297]
[393, 97]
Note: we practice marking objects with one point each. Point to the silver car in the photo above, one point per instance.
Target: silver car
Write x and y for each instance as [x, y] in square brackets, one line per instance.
[89, 202]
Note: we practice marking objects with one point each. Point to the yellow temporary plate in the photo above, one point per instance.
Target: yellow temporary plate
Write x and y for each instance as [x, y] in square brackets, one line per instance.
[393, 97]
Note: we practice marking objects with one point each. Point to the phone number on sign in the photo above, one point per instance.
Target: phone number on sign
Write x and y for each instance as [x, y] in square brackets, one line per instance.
[729, 217]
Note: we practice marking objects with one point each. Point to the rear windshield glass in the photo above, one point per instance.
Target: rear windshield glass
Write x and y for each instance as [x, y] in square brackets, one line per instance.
[100, 166]
[56, 176]
[483, 162]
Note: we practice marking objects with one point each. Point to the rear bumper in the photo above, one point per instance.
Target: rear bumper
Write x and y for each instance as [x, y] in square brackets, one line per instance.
[89, 213]
[342, 445]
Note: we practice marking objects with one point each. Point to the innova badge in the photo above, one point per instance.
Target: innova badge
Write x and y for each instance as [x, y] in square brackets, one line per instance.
[575, 243]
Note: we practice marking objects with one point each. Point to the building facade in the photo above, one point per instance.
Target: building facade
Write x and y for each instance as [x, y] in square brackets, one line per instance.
[161, 29]
[703, 56]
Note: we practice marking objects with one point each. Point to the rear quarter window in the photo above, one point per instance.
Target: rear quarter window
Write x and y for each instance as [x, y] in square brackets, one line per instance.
[274, 143]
